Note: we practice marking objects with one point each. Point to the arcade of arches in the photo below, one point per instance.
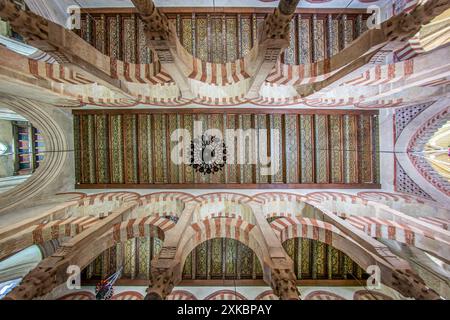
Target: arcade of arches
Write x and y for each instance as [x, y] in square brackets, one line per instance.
[282, 150]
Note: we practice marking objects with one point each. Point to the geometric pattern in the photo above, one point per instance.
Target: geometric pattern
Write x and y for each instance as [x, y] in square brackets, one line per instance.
[404, 184]
[403, 116]
[137, 148]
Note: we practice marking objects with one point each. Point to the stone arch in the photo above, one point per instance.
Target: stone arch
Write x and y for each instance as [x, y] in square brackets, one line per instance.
[430, 211]
[384, 205]
[101, 204]
[222, 259]
[370, 295]
[181, 295]
[232, 228]
[323, 295]
[341, 204]
[379, 221]
[128, 295]
[45, 231]
[421, 238]
[281, 204]
[76, 195]
[267, 295]
[222, 204]
[231, 196]
[162, 204]
[297, 227]
[121, 232]
[51, 176]
[225, 295]
[145, 231]
[81, 295]
[288, 228]
[142, 227]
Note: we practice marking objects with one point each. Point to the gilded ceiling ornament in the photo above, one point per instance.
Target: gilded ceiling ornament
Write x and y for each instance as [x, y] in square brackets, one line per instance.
[208, 154]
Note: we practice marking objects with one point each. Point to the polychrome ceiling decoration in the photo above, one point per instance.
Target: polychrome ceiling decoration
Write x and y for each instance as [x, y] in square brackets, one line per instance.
[218, 3]
[272, 148]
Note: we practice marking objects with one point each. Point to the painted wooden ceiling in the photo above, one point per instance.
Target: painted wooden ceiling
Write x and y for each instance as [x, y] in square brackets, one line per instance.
[217, 3]
[307, 148]
[222, 38]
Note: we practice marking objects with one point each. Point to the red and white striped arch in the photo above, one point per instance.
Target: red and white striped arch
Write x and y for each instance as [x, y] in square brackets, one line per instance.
[424, 210]
[267, 295]
[162, 204]
[393, 197]
[181, 295]
[281, 204]
[392, 230]
[43, 232]
[142, 227]
[335, 196]
[222, 196]
[222, 228]
[225, 295]
[58, 229]
[232, 228]
[289, 228]
[128, 295]
[296, 227]
[323, 295]
[110, 196]
[101, 204]
[224, 205]
[370, 295]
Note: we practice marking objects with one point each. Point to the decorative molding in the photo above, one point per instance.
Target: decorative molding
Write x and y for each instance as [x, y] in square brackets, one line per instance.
[50, 174]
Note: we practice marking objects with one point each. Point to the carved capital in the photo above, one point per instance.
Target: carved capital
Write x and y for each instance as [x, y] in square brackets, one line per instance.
[27, 24]
[161, 284]
[284, 285]
[157, 26]
[276, 26]
[40, 281]
[412, 286]
[408, 24]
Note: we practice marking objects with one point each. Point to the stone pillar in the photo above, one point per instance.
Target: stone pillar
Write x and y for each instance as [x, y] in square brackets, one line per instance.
[282, 275]
[79, 251]
[284, 284]
[161, 284]
[166, 268]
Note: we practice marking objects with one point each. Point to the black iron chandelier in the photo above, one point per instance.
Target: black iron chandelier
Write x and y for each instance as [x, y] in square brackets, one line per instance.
[208, 154]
